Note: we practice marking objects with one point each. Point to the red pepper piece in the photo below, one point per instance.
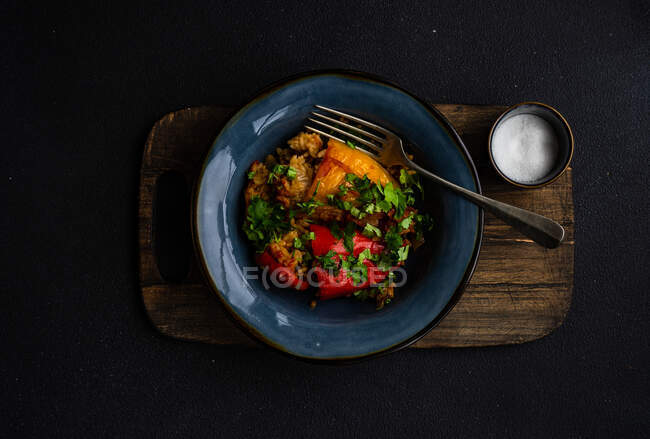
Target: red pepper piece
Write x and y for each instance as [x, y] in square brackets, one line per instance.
[284, 274]
[324, 241]
[342, 284]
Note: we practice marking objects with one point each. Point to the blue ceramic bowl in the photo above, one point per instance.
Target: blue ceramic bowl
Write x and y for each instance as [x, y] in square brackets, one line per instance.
[340, 329]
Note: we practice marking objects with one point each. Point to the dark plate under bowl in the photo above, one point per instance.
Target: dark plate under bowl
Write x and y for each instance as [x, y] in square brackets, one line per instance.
[341, 329]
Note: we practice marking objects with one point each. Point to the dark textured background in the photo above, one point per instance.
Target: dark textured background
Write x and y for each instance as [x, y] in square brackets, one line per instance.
[82, 85]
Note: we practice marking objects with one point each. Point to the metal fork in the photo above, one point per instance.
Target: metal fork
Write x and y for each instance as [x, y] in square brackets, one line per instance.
[388, 149]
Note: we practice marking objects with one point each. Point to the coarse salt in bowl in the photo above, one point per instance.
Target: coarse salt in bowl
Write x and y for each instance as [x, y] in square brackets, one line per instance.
[530, 145]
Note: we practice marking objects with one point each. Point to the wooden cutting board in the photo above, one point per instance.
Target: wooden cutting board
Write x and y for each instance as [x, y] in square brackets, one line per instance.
[519, 292]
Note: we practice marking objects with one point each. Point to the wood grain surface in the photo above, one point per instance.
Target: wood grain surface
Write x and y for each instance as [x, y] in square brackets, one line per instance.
[519, 292]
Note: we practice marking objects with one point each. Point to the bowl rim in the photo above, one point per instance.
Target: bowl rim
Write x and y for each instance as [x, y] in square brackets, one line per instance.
[555, 176]
[259, 337]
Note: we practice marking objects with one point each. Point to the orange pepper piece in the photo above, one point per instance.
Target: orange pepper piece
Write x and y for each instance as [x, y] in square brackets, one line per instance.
[339, 160]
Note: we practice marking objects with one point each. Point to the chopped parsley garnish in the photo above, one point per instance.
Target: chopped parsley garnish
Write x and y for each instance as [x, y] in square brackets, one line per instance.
[355, 212]
[369, 230]
[423, 223]
[385, 262]
[250, 174]
[406, 222]
[393, 239]
[361, 185]
[373, 198]
[308, 207]
[329, 261]
[309, 236]
[359, 273]
[279, 170]
[365, 254]
[346, 263]
[348, 237]
[275, 172]
[264, 222]
[403, 253]
[336, 231]
[390, 194]
[383, 206]
[396, 198]
[407, 180]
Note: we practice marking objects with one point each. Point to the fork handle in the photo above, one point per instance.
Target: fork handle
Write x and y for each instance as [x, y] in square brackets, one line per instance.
[540, 229]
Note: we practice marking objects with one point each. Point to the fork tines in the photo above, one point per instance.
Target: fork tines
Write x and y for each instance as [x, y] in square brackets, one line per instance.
[364, 137]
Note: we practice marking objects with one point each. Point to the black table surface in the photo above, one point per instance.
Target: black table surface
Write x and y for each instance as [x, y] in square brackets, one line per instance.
[83, 84]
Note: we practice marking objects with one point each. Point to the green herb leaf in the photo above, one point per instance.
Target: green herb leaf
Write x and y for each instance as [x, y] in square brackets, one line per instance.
[297, 243]
[351, 145]
[407, 180]
[309, 236]
[291, 173]
[423, 224]
[401, 204]
[385, 262]
[383, 206]
[279, 169]
[359, 273]
[390, 194]
[369, 230]
[403, 177]
[410, 200]
[365, 254]
[264, 221]
[276, 172]
[308, 207]
[329, 261]
[363, 184]
[251, 174]
[395, 197]
[348, 237]
[406, 222]
[393, 239]
[403, 253]
[336, 231]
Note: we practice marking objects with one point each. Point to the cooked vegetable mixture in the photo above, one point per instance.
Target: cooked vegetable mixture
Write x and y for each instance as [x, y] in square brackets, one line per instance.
[333, 217]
